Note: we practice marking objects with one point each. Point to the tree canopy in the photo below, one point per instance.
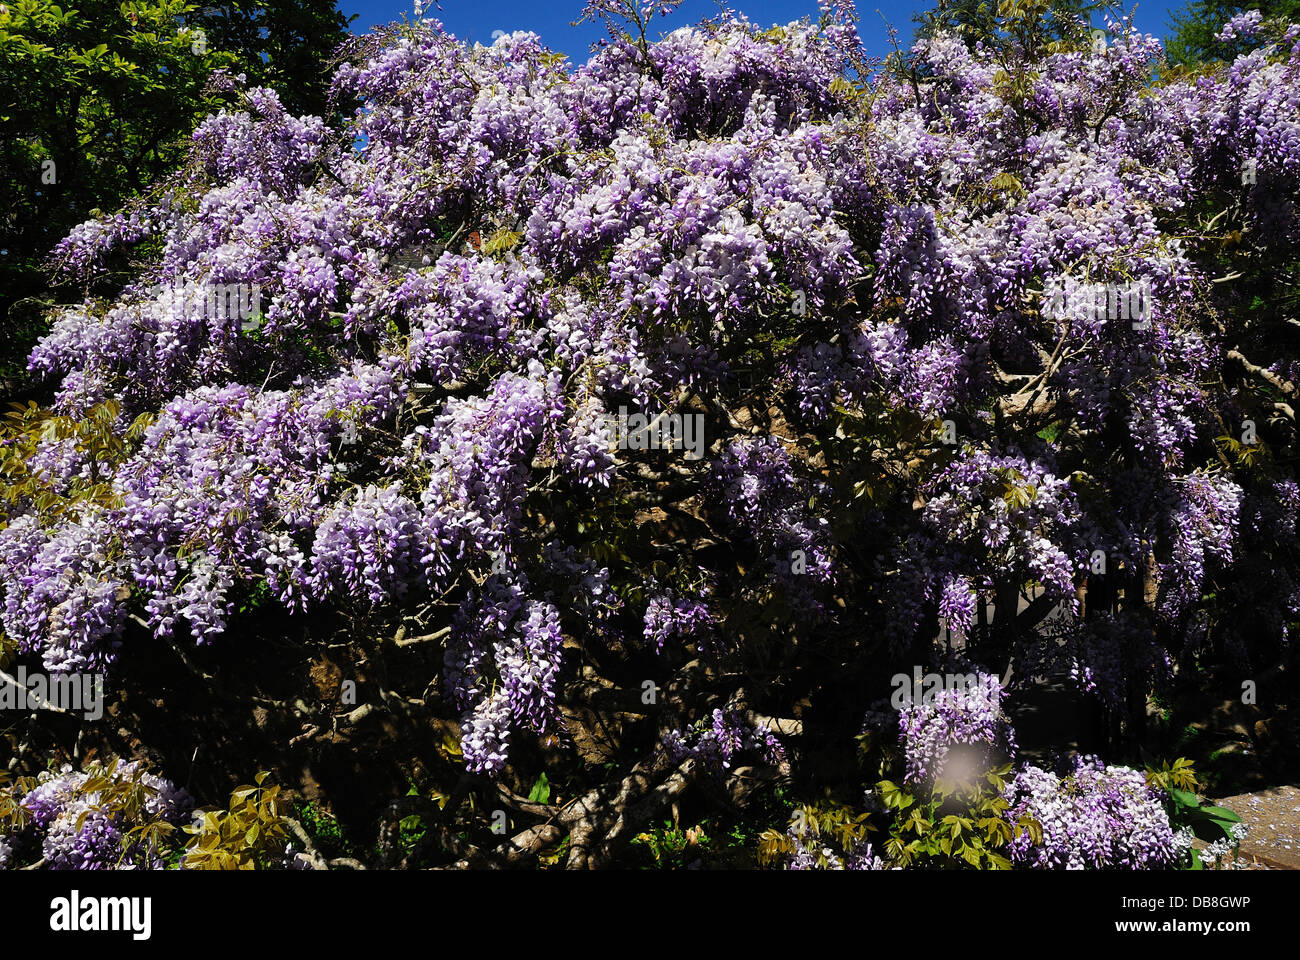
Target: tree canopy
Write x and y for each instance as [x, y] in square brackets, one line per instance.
[97, 103]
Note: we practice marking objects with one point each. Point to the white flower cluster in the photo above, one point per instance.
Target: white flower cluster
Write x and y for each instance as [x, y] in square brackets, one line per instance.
[1221, 848]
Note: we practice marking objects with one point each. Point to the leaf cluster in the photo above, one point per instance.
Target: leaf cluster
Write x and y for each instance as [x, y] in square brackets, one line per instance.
[829, 822]
[93, 438]
[249, 835]
[957, 826]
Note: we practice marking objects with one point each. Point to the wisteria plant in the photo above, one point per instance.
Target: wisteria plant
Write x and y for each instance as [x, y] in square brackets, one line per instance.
[842, 267]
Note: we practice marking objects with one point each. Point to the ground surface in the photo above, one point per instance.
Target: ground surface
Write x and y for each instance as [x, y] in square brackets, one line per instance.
[1274, 819]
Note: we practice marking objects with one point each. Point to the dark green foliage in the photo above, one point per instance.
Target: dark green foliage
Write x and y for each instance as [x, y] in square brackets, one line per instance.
[97, 103]
[975, 21]
[288, 45]
[1194, 26]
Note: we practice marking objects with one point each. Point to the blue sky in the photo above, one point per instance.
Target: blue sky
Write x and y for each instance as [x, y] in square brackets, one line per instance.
[476, 19]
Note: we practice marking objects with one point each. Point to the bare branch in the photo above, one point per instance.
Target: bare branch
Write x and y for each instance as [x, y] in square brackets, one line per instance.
[1286, 387]
[313, 856]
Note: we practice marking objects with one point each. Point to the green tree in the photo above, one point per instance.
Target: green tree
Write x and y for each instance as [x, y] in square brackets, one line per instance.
[977, 20]
[96, 104]
[1192, 41]
[285, 44]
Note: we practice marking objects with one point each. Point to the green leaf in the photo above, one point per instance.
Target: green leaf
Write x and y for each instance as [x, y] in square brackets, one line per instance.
[1220, 813]
[1208, 829]
[541, 792]
[1050, 432]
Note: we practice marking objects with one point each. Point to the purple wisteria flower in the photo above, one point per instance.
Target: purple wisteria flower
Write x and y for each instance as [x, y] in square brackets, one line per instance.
[1094, 817]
